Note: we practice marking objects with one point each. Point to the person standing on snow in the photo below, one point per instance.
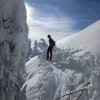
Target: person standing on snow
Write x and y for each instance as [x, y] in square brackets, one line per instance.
[50, 47]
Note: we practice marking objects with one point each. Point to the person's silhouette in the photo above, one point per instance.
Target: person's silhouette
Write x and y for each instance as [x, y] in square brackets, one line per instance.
[50, 47]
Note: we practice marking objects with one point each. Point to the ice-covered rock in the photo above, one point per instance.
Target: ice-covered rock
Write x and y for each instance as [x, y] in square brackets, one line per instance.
[13, 47]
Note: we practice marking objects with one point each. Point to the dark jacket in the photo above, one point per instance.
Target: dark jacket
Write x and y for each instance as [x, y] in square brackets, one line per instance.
[51, 42]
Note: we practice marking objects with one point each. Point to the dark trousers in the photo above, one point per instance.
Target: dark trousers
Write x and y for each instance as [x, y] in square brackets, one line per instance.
[49, 53]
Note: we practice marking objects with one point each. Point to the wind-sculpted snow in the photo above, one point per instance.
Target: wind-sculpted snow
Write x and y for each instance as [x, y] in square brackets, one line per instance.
[46, 82]
[50, 80]
[13, 47]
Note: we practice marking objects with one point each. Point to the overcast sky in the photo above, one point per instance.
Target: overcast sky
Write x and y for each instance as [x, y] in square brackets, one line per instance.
[60, 18]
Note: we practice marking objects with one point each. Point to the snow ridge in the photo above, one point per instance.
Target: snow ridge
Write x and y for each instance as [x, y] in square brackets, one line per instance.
[87, 40]
[45, 81]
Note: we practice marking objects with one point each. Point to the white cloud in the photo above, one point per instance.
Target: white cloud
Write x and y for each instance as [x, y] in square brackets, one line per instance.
[40, 27]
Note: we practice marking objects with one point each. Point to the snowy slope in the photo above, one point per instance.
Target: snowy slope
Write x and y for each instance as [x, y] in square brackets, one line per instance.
[87, 39]
[45, 81]
[75, 64]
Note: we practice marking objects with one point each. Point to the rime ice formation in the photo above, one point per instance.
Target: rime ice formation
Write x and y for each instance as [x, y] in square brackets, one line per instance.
[13, 47]
[75, 66]
[39, 47]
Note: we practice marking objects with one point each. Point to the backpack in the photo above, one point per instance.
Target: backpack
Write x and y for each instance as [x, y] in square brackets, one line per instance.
[54, 43]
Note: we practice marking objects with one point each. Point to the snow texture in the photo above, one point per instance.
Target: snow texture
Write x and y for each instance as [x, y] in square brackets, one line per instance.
[75, 66]
[13, 47]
